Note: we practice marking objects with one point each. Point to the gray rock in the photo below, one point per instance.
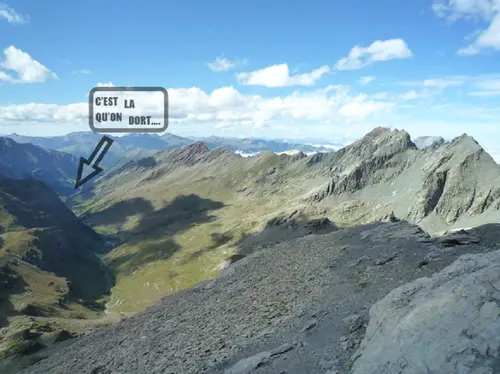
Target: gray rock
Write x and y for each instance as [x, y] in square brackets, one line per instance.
[384, 260]
[354, 322]
[449, 323]
[461, 237]
[249, 364]
[309, 326]
[282, 349]
[359, 261]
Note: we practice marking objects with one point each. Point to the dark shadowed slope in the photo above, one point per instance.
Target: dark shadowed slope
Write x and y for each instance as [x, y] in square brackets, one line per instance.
[56, 169]
[49, 266]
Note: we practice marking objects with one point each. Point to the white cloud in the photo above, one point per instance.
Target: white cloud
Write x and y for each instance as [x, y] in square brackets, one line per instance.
[490, 38]
[488, 84]
[224, 64]
[26, 68]
[226, 97]
[361, 109]
[457, 9]
[486, 87]
[486, 10]
[81, 71]
[413, 95]
[470, 50]
[108, 84]
[44, 113]
[485, 93]
[438, 83]
[12, 16]
[380, 50]
[380, 95]
[442, 83]
[487, 39]
[5, 77]
[279, 76]
[366, 80]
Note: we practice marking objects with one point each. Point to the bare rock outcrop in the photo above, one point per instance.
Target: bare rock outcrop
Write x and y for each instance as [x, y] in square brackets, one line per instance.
[448, 323]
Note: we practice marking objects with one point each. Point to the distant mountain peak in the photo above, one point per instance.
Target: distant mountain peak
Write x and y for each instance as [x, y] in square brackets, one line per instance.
[464, 138]
[197, 147]
[378, 131]
[383, 140]
[423, 142]
[467, 143]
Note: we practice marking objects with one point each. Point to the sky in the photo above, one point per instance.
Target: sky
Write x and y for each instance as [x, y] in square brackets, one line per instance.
[324, 70]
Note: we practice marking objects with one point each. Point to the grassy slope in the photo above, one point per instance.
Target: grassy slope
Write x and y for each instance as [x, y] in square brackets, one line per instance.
[49, 267]
[165, 249]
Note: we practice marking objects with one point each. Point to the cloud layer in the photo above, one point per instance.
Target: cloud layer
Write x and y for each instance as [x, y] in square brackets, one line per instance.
[226, 106]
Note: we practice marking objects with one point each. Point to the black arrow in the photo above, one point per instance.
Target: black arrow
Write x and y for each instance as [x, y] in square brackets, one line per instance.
[101, 149]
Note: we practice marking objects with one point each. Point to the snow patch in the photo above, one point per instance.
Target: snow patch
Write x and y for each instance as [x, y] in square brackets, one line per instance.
[289, 152]
[459, 229]
[245, 154]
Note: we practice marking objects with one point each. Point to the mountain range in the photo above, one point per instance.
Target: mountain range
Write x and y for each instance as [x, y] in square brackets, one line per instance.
[136, 146]
[55, 169]
[302, 241]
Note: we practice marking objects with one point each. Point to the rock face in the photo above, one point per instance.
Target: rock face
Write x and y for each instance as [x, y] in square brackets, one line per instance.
[435, 186]
[377, 157]
[301, 306]
[449, 323]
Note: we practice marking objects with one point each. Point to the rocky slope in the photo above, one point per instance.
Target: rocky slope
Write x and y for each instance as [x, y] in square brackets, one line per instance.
[56, 169]
[303, 306]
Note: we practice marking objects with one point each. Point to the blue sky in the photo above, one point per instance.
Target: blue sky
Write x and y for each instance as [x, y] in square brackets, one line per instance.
[278, 69]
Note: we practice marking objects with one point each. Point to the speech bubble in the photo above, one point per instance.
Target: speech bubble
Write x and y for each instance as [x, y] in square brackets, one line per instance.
[128, 109]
